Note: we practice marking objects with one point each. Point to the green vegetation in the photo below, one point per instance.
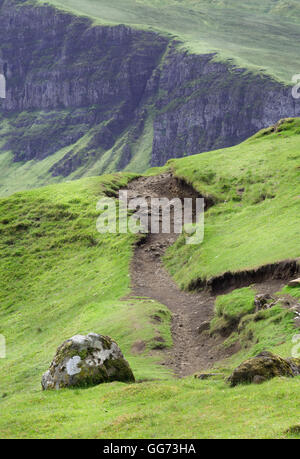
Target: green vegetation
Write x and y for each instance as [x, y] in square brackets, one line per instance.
[186, 408]
[60, 277]
[261, 35]
[254, 331]
[229, 309]
[293, 291]
[236, 305]
[255, 220]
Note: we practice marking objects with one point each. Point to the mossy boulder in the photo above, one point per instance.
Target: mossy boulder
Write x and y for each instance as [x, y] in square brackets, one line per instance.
[84, 361]
[263, 367]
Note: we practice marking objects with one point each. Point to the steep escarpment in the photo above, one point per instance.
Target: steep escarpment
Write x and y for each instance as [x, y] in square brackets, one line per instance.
[65, 77]
[205, 105]
[85, 99]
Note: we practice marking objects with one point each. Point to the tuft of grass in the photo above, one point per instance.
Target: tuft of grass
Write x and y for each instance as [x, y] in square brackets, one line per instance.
[235, 305]
[229, 309]
[293, 291]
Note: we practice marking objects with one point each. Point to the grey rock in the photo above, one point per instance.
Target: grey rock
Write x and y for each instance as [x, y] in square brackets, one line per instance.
[258, 379]
[83, 361]
[264, 301]
[205, 376]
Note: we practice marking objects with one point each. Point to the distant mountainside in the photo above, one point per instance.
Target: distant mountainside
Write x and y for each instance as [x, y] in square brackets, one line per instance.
[262, 35]
[84, 99]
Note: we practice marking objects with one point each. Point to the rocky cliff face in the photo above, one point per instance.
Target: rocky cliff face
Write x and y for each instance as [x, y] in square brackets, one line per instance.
[95, 96]
[65, 77]
[206, 105]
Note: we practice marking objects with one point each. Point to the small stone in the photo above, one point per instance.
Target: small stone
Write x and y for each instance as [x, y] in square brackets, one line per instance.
[203, 327]
[205, 376]
[258, 379]
[263, 301]
[294, 283]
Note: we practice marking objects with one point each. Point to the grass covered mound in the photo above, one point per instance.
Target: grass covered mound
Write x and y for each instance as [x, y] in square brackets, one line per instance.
[230, 308]
[255, 220]
[267, 31]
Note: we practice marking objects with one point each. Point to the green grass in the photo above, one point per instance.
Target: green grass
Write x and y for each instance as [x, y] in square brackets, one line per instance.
[261, 35]
[293, 291]
[255, 220]
[270, 329]
[60, 277]
[187, 408]
[236, 305]
[230, 308]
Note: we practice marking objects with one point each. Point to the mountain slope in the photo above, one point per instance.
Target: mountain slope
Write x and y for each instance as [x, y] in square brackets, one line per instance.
[84, 99]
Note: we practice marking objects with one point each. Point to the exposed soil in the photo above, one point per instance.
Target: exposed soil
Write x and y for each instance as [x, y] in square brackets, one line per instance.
[192, 351]
[280, 271]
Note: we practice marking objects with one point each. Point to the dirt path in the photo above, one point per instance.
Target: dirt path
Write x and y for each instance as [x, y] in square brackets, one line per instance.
[192, 351]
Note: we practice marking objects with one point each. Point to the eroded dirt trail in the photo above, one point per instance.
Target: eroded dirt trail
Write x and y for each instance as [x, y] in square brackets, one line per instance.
[192, 351]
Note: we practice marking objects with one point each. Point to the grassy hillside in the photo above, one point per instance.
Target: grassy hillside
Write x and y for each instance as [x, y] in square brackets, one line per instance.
[25, 175]
[256, 187]
[262, 34]
[59, 277]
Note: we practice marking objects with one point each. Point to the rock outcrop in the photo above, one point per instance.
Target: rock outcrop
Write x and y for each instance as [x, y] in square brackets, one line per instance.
[206, 105]
[99, 95]
[263, 367]
[83, 361]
